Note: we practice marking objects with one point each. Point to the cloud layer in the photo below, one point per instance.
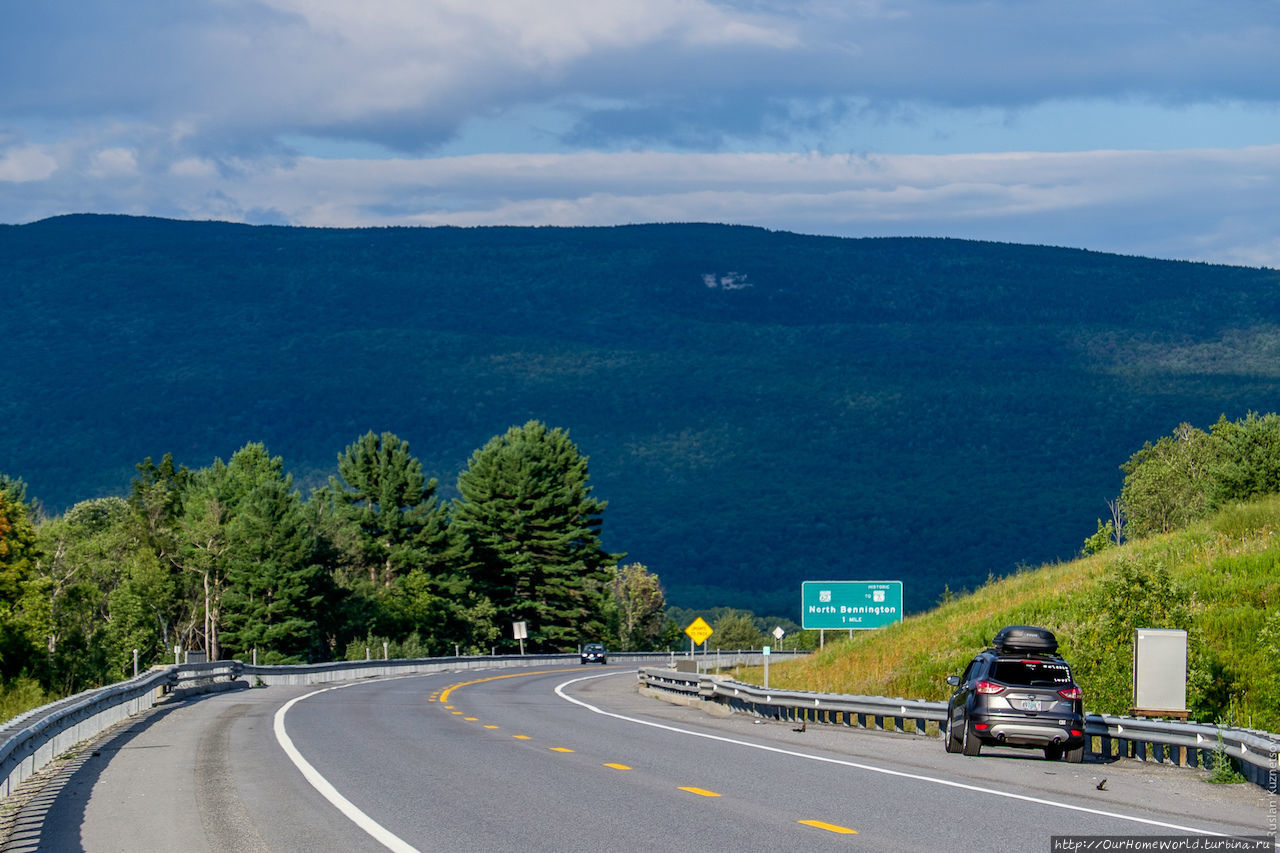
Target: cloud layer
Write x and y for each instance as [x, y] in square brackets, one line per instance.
[1147, 128]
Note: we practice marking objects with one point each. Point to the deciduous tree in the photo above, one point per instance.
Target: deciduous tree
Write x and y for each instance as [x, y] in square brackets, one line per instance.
[1169, 483]
[641, 606]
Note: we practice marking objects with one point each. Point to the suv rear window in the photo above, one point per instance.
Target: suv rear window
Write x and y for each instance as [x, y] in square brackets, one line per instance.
[1031, 673]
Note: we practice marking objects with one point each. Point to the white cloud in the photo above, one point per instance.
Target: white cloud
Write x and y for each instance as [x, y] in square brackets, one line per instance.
[113, 163]
[193, 167]
[1180, 204]
[659, 110]
[413, 75]
[26, 163]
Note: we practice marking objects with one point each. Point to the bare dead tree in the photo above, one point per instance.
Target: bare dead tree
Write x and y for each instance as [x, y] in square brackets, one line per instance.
[1117, 520]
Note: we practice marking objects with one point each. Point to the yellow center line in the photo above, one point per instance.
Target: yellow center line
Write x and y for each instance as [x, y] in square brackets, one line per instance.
[490, 726]
[829, 827]
[470, 719]
[701, 792]
[561, 749]
[617, 766]
[444, 695]
[521, 737]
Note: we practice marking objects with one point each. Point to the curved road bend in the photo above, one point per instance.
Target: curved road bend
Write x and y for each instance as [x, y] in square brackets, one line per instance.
[570, 758]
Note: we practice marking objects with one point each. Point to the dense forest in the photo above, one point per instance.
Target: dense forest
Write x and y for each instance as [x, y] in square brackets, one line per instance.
[759, 408]
[230, 560]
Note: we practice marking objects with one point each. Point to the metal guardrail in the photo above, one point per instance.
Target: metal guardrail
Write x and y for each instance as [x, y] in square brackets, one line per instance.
[37, 737]
[1256, 754]
[347, 670]
[30, 741]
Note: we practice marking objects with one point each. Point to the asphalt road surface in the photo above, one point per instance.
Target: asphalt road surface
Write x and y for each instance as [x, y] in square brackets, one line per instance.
[576, 759]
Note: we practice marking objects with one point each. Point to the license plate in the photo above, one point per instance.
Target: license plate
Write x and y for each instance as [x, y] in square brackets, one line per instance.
[1030, 704]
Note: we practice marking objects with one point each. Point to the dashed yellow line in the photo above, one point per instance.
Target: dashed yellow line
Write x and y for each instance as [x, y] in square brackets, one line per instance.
[829, 827]
[701, 792]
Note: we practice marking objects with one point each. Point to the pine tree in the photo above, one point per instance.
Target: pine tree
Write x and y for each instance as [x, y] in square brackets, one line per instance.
[527, 512]
[401, 525]
[273, 585]
[414, 564]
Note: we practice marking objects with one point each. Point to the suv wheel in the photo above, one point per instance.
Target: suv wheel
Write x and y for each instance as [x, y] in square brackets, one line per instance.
[949, 740]
[1075, 756]
[970, 745]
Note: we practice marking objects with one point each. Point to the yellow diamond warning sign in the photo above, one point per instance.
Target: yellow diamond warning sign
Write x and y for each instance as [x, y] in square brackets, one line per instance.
[698, 630]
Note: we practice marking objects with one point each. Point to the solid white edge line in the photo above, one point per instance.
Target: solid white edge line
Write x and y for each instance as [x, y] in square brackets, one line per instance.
[330, 793]
[884, 770]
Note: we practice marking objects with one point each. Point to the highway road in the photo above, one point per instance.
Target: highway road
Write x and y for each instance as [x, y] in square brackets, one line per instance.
[574, 758]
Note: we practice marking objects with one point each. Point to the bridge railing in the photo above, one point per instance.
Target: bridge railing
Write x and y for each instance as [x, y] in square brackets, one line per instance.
[1255, 753]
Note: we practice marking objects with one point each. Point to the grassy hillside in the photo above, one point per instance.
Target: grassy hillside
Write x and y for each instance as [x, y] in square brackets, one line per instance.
[759, 408]
[1219, 580]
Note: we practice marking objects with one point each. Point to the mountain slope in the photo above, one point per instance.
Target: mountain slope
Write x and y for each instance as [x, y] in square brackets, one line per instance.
[759, 408]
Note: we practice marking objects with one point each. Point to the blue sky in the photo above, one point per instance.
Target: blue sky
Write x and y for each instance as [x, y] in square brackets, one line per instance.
[1147, 127]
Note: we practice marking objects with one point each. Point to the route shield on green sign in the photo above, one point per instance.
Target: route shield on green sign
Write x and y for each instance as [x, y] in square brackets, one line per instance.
[844, 605]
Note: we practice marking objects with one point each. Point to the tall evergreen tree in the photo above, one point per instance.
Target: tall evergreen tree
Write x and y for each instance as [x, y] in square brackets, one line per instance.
[526, 509]
[273, 585]
[414, 565]
[400, 523]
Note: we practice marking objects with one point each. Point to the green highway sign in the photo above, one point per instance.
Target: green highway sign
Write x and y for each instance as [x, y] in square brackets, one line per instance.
[842, 605]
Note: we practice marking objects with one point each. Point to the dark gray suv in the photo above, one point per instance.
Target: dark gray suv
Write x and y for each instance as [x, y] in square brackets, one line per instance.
[1017, 693]
[594, 653]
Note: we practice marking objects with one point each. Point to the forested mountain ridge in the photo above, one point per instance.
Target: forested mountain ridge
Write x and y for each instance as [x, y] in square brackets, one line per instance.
[759, 408]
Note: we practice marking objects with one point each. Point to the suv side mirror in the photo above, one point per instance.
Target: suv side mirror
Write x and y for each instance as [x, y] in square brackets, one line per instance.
[953, 680]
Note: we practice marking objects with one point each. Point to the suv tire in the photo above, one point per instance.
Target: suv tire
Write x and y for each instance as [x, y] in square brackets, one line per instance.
[971, 745]
[1075, 756]
[949, 741]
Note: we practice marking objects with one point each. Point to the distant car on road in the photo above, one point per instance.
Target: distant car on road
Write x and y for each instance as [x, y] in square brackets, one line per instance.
[1019, 693]
[594, 653]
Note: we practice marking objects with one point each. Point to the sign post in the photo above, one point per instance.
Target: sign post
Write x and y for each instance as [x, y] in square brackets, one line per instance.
[850, 605]
[520, 631]
[698, 632]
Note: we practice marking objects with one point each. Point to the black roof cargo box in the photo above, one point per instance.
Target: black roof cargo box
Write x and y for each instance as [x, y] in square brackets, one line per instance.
[1025, 638]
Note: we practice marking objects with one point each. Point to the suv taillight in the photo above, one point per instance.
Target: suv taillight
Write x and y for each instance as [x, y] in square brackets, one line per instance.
[1071, 693]
[987, 687]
